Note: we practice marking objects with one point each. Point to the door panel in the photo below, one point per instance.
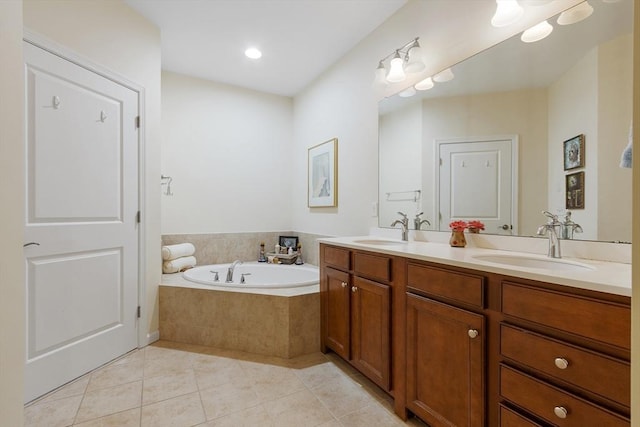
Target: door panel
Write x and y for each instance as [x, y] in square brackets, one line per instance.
[81, 202]
[476, 182]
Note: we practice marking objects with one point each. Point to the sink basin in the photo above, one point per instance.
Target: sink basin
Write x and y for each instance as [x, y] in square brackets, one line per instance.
[534, 262]
[379, 242]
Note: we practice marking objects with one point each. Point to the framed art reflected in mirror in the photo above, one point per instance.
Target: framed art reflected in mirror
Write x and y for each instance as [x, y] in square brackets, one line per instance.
[575, 190]
[574, 153]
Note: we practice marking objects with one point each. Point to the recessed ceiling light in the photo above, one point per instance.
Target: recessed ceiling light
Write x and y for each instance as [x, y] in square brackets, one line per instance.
[252, 53]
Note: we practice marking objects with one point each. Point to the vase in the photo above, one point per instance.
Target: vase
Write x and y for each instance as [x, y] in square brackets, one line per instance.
[457, 239]
[473, 230]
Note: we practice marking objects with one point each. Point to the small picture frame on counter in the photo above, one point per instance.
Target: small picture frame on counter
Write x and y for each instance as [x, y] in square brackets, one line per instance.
[288, 242]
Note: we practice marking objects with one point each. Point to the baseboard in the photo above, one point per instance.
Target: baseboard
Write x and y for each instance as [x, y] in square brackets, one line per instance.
[153, 337]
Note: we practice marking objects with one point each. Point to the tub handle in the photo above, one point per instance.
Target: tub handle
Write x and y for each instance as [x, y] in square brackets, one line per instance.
[216, 278]
[242, 277]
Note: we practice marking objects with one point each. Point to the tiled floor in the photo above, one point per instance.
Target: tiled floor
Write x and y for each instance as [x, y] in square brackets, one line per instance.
[170, 384]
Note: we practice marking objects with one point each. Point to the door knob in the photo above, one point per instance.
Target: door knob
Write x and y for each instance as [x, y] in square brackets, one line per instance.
[504, 226]
[472, 333]
[354, 288]
[561, 363]
[560, 412]
[344, 284]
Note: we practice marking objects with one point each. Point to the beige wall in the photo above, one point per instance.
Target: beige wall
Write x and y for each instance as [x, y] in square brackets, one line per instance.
[114, 36]
[11, 220]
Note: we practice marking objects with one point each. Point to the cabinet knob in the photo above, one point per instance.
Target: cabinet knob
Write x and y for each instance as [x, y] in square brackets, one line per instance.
[560, 412]
[344, 284]
[561, 363]
[472, 333]
[354, 288]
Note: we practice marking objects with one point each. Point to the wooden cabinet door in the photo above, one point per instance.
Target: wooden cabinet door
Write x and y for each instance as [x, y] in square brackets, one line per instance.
[336, 312]
[445, 363]
[370, 334]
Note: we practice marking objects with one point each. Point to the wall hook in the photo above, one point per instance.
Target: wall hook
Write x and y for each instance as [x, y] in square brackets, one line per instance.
[55, 101]
[166, 180]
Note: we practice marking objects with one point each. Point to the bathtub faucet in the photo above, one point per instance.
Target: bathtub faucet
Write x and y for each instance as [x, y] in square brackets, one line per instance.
[230, 271]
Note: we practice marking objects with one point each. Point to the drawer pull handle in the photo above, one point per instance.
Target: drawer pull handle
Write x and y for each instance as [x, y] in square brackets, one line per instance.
[472, 333]
[344, 284]
[354, 288]
[561, 363]
[560, 412]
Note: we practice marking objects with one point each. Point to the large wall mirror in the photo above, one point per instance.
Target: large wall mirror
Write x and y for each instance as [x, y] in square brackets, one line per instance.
[521, 128]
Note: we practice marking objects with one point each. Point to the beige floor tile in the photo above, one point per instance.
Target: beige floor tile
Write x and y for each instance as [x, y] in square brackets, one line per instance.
[74, 388]
[343, 395]
[315, 376]
[60, 412]
[182, 411]
[221, 373]
[130, 418]
[272, 382]
[372, 415]
[298, 409]
[252, 417]
[333, 423]
[164, 387]
[107, 401]
[113, 375]
[167, 364]
[227, 399]
[131, 357]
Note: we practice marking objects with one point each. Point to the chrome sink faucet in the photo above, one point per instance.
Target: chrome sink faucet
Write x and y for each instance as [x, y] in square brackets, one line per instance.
[552, 230]
[417, 221]
[569, 227]
[230, 271]
[404, 223]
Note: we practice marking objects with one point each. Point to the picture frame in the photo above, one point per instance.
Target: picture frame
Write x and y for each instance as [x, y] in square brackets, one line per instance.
[288, 242]
[322, 179]
[574, 152]
[574, 190]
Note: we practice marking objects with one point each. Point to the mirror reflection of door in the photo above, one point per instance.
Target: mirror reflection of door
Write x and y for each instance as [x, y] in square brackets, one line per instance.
[476, 180]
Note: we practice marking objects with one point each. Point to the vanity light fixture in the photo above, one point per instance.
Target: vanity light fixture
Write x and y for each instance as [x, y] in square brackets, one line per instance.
[425, 84]
[507, 12]
[444, 76]
[406, 59]
[408, 92]
[575, 14]
[537, 32]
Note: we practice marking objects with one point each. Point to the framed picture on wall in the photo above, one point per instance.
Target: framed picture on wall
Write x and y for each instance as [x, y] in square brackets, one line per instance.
[575, 190]
[322, 180]
[574, 153]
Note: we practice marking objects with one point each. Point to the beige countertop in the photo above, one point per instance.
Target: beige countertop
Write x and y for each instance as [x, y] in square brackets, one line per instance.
[602, 276]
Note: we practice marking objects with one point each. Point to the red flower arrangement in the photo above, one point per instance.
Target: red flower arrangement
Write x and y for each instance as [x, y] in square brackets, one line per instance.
[458, 225]
[475, 226]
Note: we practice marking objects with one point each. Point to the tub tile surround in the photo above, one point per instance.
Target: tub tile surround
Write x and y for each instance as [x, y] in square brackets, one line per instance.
[221, 248]
[282, 326]
[206, 387]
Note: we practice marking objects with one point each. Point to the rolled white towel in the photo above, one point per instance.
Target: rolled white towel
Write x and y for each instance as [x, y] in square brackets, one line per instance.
[179, 264]
[170, 252]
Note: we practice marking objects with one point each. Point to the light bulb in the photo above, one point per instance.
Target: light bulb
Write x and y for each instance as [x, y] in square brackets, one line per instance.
[425, 84]
[396, 71]
[444, 76]
[507, 12]
[537, 32]
[575, 14]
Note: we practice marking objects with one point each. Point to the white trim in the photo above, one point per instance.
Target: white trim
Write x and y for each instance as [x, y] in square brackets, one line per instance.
[514, 173]
[67, 54]
[152, 337]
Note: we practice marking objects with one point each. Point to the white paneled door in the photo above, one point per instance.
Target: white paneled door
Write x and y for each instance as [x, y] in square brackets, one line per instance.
[81, 229]
[476, 180]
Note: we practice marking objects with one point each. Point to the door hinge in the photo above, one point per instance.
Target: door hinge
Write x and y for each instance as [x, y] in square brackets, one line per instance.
[137, 122]
[138, 217]
[138, 312]
[440, 162]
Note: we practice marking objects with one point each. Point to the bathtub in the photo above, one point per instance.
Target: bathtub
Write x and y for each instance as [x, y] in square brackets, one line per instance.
[257, 275]
[275, 313]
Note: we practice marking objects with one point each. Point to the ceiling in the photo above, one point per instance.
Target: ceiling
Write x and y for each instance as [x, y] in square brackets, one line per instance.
[299, 39]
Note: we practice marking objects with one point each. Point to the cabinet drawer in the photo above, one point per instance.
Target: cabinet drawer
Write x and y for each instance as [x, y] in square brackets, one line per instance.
[592, 371]
[510, 418]
[546, 402]
[462, 287]
[337, 257]
[603, 321]
[377, 267]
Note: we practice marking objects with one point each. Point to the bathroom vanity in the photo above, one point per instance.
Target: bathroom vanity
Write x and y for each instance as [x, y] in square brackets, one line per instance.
[458, 337]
